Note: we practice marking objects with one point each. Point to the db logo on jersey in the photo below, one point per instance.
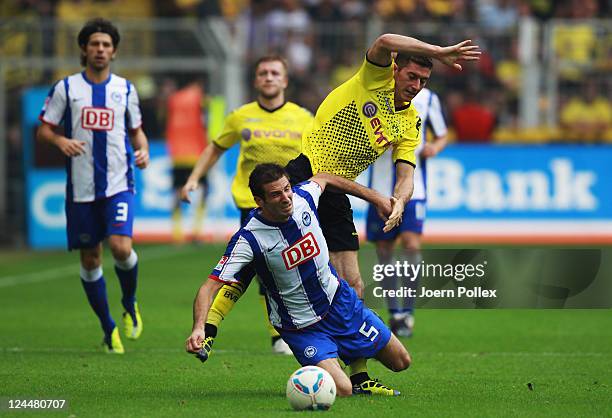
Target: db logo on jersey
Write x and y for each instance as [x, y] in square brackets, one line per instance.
[303, 250]
[97, 118]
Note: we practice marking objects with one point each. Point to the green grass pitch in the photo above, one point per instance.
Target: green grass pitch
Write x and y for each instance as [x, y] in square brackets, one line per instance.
[465, 362]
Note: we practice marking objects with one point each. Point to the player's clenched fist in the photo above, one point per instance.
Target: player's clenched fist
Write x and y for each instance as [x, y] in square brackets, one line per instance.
[190, 186]
[71, 148]
[195, 340]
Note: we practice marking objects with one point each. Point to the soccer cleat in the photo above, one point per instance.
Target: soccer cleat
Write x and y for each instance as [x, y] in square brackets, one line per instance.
[374, 387]
[402, 325]
[112, 343]
[281, 347]
[206, 349]
[132, 331]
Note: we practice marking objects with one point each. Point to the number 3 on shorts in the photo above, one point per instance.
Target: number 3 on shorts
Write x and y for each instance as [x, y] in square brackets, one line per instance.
[122, 212]
[368, 333]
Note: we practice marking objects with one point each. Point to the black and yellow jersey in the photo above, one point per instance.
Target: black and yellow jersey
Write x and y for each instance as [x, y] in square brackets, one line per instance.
[357, 122]
[265, 136]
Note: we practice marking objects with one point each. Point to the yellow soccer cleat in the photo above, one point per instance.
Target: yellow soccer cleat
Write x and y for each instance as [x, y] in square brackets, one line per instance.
[131, 330]
[112, 344]
[206, 349]
[374, 387]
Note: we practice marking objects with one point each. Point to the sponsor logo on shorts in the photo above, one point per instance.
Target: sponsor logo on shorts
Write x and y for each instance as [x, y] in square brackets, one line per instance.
[221, 262]
[97, 118]
[84, 238]
[306, 248]
[310, 351]
[369, 109]
[306, 220]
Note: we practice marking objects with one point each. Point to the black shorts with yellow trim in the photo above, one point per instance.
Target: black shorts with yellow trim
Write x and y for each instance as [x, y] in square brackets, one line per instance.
[335, 213]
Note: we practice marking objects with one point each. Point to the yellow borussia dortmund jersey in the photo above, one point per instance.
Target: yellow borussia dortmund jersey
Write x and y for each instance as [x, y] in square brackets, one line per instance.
[357, 122]
[265, 137]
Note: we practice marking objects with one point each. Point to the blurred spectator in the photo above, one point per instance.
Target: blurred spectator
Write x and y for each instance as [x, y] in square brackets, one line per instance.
[473, 121]
[587, 118]
[500, 15]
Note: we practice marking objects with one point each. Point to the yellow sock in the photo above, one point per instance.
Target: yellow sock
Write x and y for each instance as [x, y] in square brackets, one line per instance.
[177, 227]
[273, 332]
[358, 366]
[198, 219]
[225, 300]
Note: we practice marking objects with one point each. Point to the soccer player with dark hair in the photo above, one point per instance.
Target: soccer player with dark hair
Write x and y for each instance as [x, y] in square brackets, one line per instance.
[99, 111]
[362, 118]
[315, 311]
[268, 129]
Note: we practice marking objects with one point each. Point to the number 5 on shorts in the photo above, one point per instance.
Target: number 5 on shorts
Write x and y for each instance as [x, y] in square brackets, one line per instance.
[369, 332]
[122, 212]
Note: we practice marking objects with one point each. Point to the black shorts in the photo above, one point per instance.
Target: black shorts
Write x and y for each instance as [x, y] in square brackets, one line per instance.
[180, 174]
[335, 213]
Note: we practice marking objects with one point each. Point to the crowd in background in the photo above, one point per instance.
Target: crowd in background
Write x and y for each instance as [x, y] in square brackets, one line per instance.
[324, 44]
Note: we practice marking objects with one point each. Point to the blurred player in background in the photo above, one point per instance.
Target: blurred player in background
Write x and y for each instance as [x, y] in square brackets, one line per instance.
[98, 111]
[316, 311]
[186, 136]
[410, 228]
[267, 130]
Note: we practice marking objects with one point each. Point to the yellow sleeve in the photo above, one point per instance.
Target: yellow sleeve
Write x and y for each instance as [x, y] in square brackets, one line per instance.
[229, 135]
[373, 76]
[404, 150]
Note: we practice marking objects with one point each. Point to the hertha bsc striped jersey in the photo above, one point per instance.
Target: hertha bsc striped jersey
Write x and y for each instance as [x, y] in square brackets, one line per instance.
[290, 258]
[428, 105]
[100, 115]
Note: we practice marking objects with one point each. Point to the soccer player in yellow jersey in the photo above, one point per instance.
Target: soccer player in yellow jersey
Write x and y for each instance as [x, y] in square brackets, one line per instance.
[269, 130]
[367, 115]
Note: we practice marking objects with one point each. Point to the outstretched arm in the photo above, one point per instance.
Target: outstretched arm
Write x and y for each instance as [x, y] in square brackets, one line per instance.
[207, 160]
[201, 306]
[382, 48]
[382, 203]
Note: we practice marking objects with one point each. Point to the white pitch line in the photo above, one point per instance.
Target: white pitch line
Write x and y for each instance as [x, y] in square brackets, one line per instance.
[418, 354]
[69, 270]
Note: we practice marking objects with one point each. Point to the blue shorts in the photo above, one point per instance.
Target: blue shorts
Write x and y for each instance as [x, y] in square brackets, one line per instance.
[89, 223]
[348, 331]
[412, 221]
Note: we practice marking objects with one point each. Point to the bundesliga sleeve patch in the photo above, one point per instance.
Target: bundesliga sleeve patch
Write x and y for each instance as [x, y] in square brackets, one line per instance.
[221, 263]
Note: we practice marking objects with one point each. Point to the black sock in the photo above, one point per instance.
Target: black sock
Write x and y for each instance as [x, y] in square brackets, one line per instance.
[359, 378]
[210, 330]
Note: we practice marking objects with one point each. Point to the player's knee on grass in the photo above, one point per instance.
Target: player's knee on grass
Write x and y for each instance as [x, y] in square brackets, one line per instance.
[343, 383]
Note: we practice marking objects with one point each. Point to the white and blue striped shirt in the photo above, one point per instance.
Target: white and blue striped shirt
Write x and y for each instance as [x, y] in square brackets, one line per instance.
[290, 258]
[100, 115]
[382, 172]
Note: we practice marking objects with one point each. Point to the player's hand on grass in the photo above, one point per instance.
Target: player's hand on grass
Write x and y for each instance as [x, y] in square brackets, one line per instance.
[141, 158]
[195, 340]
[449, 55]
[71, 147]
[189, 187]
[396, 215]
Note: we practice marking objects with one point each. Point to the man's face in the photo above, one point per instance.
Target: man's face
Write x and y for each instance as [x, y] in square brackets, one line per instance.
[277, 205]
[270, 79]
[409, 80]
[99, 51]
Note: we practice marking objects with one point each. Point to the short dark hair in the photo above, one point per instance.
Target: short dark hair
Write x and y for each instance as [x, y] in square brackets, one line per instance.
[402, 60]
[272, 58]
[97, 25]
[264, 174]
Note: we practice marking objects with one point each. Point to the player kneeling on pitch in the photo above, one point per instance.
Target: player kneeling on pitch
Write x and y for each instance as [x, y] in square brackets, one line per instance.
[316, 312]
